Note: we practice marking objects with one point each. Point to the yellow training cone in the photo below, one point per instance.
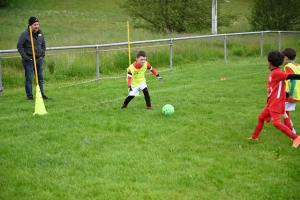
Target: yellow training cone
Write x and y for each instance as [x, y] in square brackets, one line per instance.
[39, 103]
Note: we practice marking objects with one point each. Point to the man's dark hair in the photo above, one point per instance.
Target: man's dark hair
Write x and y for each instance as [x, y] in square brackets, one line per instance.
[275, 58]
[289, 52]
[141, 53]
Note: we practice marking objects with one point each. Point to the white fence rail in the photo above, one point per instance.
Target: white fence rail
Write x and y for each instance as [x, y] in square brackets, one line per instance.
[97, 47]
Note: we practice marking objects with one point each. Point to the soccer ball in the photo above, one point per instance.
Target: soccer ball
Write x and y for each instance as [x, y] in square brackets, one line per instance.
[168, 109]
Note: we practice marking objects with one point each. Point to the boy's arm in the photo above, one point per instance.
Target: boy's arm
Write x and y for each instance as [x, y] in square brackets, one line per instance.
[293, 84]
[154, 72]
[293, 77]
[129, 78]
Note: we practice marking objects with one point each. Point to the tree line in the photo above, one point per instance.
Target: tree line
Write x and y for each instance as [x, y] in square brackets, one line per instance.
[195, 15]
[188, 16]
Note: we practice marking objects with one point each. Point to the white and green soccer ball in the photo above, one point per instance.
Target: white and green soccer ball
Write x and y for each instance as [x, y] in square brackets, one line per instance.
[168, 109]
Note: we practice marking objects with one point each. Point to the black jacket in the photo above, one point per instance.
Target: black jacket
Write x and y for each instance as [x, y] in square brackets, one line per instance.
[24, 45]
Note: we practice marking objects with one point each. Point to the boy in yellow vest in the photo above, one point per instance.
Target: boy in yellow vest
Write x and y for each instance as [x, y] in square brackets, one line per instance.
[292, 86]
[136, 79]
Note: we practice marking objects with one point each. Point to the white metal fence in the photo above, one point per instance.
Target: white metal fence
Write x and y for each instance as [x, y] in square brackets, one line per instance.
[98, 47]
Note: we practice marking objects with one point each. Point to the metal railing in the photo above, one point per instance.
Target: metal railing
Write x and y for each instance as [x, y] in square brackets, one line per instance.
[97, 47]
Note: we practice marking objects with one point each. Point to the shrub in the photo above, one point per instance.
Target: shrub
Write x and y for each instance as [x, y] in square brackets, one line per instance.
[284, 16]
[5, 3]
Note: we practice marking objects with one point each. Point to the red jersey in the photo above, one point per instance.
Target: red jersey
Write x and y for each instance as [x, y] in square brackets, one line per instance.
[276, 90]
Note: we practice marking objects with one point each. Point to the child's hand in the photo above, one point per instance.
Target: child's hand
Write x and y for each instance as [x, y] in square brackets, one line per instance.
[129, 89]
[159, 78]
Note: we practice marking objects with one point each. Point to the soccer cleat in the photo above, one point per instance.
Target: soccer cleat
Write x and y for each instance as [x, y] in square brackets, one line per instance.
[123, 106]
[149, 108]
[296, 142]
[30, 98]
[251, 138]
[46, 98]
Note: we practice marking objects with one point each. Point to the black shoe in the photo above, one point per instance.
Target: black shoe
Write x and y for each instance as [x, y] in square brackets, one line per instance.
[123, 106]
[46, 98]
[29, 98]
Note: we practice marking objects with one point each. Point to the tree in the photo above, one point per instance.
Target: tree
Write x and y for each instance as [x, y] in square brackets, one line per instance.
[179, 16]
[281, 15]
[5, 3]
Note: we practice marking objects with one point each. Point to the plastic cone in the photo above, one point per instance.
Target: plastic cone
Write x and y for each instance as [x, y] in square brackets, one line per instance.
[39, 103]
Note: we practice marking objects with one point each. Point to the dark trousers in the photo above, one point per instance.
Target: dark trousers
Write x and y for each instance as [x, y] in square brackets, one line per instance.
[29, 72]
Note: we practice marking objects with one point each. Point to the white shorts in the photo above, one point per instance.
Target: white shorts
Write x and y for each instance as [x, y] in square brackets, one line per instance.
[135, 90]
[290, 106]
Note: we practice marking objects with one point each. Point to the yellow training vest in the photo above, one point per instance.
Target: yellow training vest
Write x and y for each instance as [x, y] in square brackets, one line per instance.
[296, 70]
[138, 75]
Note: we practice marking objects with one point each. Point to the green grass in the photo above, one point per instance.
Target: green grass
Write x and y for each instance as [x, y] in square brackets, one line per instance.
[86, 147]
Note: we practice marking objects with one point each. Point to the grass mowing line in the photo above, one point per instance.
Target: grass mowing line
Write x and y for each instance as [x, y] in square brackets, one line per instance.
[176, 88]
[105, 78]
[234, 77]
[163, 70]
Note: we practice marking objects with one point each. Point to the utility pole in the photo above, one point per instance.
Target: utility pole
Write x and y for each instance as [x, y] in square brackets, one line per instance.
[214, 17]
[67, 4]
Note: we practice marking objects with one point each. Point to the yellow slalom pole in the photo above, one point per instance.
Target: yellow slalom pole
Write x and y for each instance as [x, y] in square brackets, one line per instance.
[128, 34]
[33, 54]
[39, 103]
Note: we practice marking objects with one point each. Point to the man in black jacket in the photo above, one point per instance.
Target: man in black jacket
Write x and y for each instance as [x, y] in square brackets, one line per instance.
[25, 50]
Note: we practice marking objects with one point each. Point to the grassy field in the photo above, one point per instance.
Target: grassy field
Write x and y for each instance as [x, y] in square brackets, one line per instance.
[86, 147]
[104, 22]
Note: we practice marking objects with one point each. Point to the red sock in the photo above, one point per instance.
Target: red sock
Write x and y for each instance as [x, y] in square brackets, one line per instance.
[259, 126]
[286, 131]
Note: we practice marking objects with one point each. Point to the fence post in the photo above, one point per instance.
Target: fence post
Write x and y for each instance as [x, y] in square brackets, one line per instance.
[279, 40]
[171, 54]
[1, 88]
[97, 64]
[261, 44]
[225, 52]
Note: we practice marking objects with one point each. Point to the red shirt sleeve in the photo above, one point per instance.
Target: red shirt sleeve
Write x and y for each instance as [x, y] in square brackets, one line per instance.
[151, 69]
[129, 77]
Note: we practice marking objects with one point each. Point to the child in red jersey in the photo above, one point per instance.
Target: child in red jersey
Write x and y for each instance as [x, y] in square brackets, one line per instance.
[136, 79]
[292, 86]
[276, 98]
